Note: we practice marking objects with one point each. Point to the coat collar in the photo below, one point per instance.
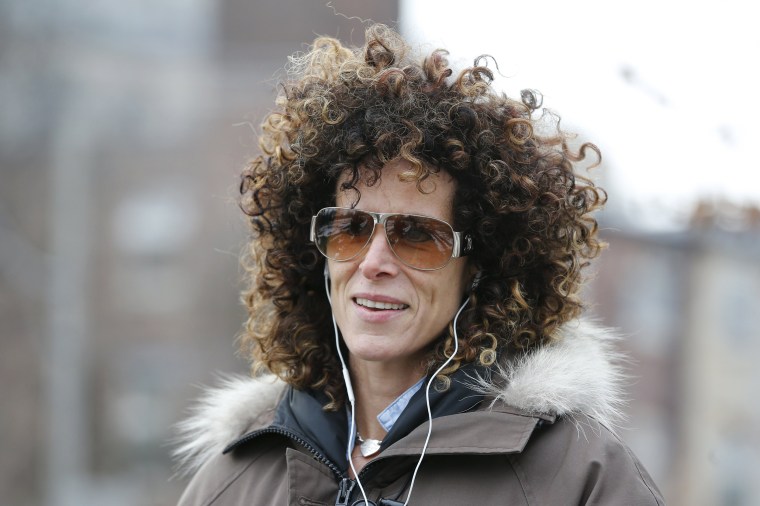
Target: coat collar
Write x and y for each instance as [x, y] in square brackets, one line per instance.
[578, 374]
[499, 431]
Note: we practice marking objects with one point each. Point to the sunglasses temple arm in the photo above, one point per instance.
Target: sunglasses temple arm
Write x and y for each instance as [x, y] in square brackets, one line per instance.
[462, 245]
[312, 230]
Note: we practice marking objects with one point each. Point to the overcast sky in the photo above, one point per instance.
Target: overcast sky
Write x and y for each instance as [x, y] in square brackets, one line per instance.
[667, 89]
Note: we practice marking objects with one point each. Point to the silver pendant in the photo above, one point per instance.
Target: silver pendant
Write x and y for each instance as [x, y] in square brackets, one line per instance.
[369, 447]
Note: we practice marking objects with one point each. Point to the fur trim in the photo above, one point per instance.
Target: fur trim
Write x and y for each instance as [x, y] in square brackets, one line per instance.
[579, 374]
[222, 415]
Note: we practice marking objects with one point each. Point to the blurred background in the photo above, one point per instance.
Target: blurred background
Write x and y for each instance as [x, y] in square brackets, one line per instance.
[123, 126]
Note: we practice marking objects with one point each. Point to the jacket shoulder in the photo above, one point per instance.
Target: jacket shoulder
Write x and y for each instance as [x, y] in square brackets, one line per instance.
[221, 415]
[252, 475]
[581, 461]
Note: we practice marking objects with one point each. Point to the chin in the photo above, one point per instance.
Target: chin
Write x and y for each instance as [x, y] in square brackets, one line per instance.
[371, 353]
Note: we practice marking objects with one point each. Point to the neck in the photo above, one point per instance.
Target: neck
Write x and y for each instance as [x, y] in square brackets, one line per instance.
[376, 385]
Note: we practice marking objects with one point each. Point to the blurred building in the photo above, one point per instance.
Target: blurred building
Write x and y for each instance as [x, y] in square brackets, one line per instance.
[123, 127]
[689, 306]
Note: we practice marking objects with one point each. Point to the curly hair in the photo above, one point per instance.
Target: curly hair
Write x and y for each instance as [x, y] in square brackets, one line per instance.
[345, 112]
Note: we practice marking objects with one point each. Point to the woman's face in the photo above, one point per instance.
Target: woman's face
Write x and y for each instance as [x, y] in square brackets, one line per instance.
[423, 302]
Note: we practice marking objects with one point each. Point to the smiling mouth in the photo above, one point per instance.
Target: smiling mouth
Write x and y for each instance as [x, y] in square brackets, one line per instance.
[376, 305]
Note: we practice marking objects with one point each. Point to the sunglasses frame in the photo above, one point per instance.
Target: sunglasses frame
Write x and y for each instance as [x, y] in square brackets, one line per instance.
[462, 241]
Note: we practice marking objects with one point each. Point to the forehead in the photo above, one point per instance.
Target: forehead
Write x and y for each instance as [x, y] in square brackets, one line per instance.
[390, 194]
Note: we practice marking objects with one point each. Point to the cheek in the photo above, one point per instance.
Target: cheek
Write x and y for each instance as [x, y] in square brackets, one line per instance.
[455, 279]
[340, 273]
[446, 292]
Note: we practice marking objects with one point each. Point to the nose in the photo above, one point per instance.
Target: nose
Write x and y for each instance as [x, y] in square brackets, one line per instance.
[378, 260]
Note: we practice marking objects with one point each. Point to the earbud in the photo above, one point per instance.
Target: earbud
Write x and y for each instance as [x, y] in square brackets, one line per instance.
[327, 271]
[476, 280]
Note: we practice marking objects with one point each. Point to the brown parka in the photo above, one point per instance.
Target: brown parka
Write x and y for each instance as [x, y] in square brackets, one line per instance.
[537, 431]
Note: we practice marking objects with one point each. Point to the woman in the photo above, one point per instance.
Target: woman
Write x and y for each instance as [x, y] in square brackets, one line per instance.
[415, 263]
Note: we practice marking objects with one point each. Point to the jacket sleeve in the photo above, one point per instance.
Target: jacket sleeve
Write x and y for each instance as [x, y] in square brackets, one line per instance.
[582, 462]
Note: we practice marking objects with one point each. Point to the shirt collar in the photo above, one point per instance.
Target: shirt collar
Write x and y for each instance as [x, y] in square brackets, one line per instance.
[389, 415]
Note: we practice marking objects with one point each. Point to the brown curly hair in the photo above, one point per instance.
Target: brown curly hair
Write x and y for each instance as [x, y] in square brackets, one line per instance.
[351, 111]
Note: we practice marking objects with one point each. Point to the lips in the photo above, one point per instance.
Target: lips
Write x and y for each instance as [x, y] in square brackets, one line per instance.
[375, 304]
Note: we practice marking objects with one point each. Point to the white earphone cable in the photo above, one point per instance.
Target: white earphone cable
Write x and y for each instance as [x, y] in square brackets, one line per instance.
[427, 400]
[349, 389]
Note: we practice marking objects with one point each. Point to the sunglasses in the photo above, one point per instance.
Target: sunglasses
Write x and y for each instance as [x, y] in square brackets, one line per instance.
[420, 242]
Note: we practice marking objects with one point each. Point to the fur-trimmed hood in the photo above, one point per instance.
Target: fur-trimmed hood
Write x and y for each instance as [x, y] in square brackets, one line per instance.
[578, 375]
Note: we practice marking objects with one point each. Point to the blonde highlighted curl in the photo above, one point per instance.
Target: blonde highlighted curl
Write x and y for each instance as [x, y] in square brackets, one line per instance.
[352, 110]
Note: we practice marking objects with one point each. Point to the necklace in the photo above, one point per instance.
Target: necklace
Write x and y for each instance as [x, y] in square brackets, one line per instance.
[368, 447]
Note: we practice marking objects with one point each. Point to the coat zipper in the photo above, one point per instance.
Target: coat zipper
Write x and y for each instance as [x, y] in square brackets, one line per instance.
[344, 492]
[345, 486]
[283, 432]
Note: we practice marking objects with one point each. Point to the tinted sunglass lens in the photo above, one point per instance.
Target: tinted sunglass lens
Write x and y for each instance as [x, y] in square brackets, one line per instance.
[421, 242]
[342, 233]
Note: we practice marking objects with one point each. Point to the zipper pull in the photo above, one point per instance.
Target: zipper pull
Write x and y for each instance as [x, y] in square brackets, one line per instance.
[344, 492]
